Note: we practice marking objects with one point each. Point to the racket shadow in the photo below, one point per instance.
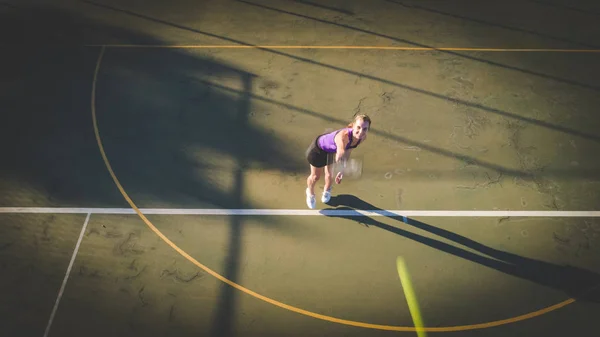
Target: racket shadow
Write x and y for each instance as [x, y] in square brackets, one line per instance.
[576, 282]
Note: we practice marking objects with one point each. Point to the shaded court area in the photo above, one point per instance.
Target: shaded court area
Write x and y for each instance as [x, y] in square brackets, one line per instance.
[211, 106]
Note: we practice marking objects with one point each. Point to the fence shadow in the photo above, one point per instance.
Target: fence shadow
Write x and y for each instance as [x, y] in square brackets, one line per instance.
[171, 137]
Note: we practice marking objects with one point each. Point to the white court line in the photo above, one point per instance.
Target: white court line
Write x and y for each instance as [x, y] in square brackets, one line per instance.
[302, 212]
[64, 283]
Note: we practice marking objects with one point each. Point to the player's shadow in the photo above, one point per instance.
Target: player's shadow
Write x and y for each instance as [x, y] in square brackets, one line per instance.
[577, 283]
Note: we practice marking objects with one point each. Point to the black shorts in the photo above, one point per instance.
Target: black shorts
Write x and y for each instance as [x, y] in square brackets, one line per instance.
[317, 157]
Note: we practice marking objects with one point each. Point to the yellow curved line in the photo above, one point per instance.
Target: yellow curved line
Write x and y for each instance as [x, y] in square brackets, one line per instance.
[240, 46]
[272, 301]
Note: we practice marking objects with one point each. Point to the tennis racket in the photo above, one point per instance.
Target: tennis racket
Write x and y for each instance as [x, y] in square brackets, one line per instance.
[351, 169]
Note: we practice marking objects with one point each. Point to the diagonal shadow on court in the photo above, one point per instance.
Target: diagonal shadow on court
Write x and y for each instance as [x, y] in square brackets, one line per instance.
[572, 173]
[568, 7]
[578, 283]
[329, 8]
[469, 160]
[417, 6]
[412, 43]
[457, 101]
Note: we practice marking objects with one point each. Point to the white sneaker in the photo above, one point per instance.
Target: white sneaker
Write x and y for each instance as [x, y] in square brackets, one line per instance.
[311, 201]
[326, 197]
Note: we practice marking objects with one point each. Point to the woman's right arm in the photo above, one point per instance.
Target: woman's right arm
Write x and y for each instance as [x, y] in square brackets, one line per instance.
[341, 140]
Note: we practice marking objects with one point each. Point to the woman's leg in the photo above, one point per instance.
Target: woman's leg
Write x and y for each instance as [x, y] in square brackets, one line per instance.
[328, 177]
[328, 182]
[315, 174]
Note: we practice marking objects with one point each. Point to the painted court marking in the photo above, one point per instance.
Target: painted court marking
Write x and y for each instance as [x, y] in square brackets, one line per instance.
[303, 212]
[256, 295]
[64, 283]
[399, 48]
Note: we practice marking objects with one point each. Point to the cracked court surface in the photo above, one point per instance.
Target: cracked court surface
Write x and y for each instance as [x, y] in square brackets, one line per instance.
[225, 128]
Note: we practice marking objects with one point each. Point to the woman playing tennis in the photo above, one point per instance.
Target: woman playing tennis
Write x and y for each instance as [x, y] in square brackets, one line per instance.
[331, 148]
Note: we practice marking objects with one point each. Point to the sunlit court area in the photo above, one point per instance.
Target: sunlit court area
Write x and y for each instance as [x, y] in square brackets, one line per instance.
[154, 168]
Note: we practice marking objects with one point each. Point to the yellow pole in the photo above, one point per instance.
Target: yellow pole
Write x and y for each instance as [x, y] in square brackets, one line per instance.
[411, 299]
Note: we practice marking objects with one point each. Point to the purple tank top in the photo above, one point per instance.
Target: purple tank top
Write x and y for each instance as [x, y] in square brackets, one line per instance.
[327, 141]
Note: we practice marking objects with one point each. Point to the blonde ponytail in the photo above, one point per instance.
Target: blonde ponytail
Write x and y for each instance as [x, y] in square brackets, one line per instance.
[364, 117]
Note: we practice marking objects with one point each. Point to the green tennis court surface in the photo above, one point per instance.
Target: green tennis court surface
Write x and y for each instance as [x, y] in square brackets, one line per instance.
[204, 111]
